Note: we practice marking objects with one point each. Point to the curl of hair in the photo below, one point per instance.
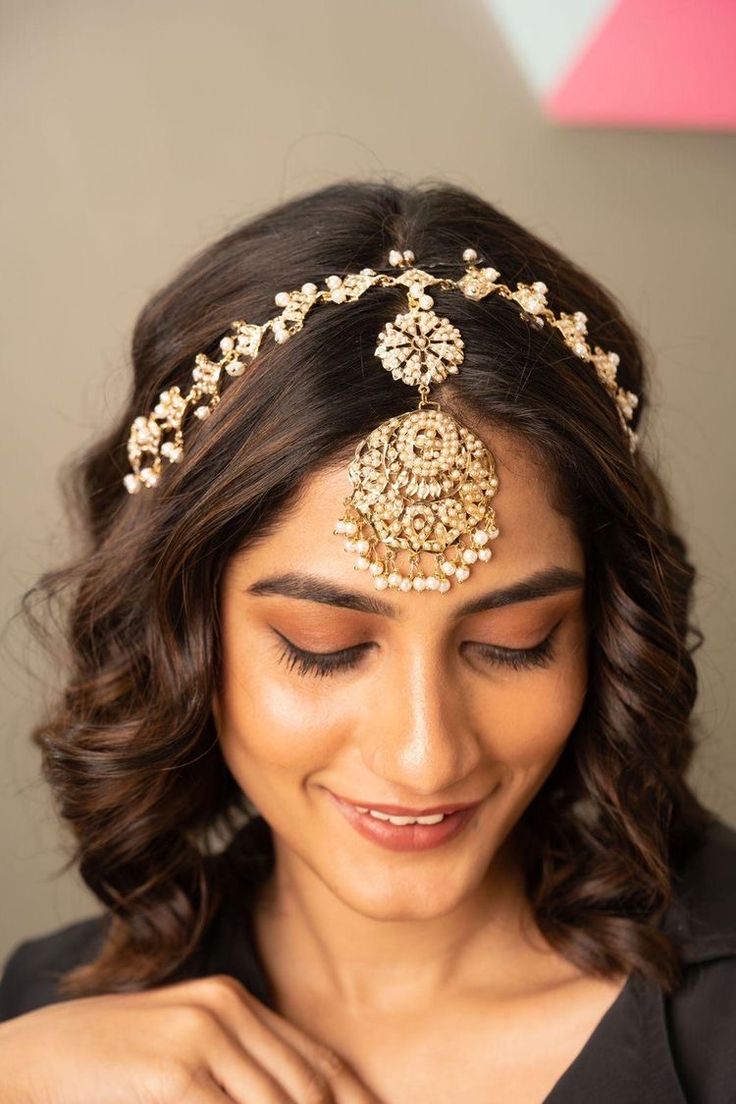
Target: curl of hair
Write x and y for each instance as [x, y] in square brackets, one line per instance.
[130, 750]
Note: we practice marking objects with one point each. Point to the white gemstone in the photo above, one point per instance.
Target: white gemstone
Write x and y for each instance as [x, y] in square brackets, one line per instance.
[333, 282]
[227, 344]
[426, 302]
[493, 533]
[448, 567]
[171, 451]
[149, 477]
[351, 527]
[362, 546]
[202, 412]
[394, 579]
[132, 483]
[340, 527]
[418, 582]
[469, 555]
[432, 582]
[470, 255]
[462, 573]
[405, 584]
[309, 289]
[376, 569]
[282, 299]
[444, 586]
[485, 554]
[380, 582]
[480, 536]
[362, 564]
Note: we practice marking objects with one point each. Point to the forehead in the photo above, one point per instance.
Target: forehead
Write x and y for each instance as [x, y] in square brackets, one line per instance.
[533, 535]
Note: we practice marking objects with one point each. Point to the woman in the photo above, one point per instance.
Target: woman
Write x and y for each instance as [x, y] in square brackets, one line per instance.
[245, 711]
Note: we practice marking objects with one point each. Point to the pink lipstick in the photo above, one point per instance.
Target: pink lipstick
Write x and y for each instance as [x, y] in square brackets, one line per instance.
[406, 837]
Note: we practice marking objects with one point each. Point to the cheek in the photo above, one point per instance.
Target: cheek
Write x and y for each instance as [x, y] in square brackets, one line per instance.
[532, 719]
[270, 718]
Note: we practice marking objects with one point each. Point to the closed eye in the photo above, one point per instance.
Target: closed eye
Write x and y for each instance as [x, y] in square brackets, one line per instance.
[320, 664]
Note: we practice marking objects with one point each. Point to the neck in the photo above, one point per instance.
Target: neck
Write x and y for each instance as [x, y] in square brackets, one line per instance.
[350, 960]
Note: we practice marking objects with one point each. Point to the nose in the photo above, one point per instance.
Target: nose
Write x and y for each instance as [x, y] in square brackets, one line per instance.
[418, 735]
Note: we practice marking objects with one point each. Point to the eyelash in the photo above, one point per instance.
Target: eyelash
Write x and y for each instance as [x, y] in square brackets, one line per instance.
[327, 663]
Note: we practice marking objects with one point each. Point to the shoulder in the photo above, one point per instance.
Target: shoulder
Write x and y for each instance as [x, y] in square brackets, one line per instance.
[701, 1012]
[702, 918]
[31, 971]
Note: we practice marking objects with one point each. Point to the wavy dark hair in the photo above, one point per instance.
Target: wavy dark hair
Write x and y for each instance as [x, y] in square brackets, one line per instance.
[130, 750]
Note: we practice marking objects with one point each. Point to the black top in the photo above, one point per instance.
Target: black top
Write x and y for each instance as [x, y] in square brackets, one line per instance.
[648, 1048]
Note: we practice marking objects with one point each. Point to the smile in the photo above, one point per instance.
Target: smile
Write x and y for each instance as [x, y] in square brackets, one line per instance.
[397, 832]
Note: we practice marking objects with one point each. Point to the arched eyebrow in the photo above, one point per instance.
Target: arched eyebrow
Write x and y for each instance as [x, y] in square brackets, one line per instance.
[314, 588]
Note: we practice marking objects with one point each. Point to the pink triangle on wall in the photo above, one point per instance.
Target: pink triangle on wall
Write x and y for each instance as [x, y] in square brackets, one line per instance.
[656, 63]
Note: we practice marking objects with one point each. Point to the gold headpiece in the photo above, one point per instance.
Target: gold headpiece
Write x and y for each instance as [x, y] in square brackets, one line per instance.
[421, 481]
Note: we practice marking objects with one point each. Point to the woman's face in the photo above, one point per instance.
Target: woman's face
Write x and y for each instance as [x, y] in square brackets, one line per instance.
[434, 705]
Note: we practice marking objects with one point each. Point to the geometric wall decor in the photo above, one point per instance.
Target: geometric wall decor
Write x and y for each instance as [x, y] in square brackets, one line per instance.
[664, 64]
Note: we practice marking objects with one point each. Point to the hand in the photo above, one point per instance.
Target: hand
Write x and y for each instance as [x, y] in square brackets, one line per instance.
[204, 1041]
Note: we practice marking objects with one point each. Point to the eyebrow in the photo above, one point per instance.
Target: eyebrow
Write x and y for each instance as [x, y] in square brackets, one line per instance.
[314, 588]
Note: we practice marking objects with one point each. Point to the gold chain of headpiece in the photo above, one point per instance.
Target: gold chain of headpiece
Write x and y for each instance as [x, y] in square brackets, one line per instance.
[422, 481]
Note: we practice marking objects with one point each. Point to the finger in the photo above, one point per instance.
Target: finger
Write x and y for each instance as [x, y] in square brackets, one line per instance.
[347, 1087]
[201, 1088]
[243, 1079]
[308, 1068]
[295, 1069]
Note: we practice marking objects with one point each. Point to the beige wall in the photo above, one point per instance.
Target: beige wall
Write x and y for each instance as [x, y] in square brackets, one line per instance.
[135, 131]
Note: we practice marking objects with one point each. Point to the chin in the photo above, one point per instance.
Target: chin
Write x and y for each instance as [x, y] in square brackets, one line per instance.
[409, 894]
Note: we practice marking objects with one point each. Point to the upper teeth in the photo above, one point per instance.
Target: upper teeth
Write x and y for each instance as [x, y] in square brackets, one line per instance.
[433, 818]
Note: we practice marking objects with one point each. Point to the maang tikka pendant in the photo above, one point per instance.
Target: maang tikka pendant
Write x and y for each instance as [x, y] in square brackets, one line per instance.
[422, 482]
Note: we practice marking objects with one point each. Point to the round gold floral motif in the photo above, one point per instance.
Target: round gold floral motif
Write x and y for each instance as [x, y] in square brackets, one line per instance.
[419, 347]
[422, 480]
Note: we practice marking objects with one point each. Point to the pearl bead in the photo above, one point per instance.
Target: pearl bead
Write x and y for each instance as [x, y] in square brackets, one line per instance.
[469, 555]
[432, 583]
[350, 546]
[380, 582]
[309, 289]
[448, 567]
[418, 582]
[351, 527]
[362, 546]
[227, 344]
[405, 584]
[281, 299]
[340, 527]
[461, 574]
[480, 536]
[394, 579]
[362, 564]
[376, 569]
[493, 533]
[202, 412]
[444, 586]
[470, 255]
[485, 554]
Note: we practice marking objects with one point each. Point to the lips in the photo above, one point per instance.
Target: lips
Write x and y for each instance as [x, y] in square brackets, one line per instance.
[403, 810]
